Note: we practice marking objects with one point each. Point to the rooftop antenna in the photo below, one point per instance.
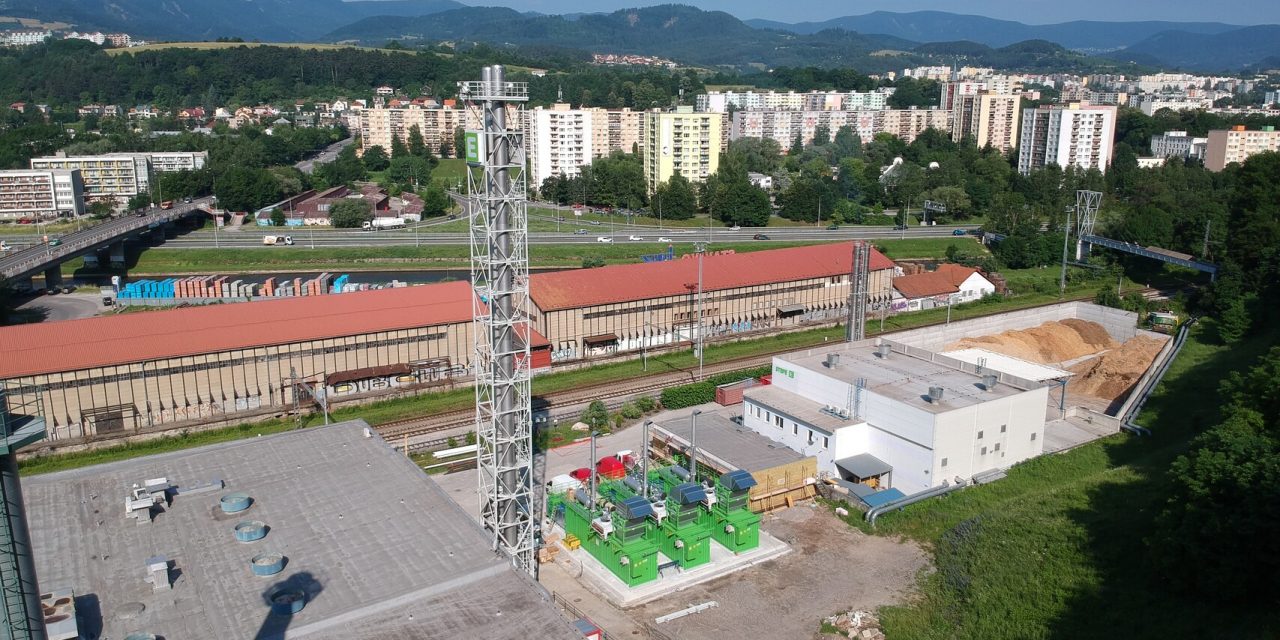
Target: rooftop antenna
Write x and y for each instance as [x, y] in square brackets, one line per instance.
[499, 228]
[560, 93]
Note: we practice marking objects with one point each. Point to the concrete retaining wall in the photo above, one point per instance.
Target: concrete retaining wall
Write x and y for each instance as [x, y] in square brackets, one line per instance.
[1121, 325]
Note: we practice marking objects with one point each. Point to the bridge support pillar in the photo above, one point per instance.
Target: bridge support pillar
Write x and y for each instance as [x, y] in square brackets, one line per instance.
[53, 276]
[91, 260]
[117, 254]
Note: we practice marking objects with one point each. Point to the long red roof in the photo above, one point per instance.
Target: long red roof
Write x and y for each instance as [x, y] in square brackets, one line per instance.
[629, 282]
[70, 345]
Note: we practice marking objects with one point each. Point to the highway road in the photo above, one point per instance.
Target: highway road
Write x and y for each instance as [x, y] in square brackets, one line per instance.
[24, 262]
[326, 155]
[424, 234]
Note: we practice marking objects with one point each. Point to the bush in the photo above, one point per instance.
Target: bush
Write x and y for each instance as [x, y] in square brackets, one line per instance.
[630, 411]
[689, 395]
[646, 404]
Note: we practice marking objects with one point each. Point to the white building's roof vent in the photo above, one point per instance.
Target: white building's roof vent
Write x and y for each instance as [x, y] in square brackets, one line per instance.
[989, 381]
[883, 350]
[935, 395]
[833, 360]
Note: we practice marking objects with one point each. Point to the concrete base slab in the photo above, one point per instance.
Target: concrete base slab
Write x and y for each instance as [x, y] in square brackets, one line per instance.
[1068, 433]
[597, 577]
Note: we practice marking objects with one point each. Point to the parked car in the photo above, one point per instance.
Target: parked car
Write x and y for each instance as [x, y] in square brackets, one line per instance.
[759, 236]
[580, 232]
[68, 289]
[958, 232]
[664, 239]
[604, 239]
[635, 238]
[735, 228]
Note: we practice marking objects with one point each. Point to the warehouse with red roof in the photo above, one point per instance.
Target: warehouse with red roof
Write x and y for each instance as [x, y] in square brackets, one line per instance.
[133, 373]
[593, 312]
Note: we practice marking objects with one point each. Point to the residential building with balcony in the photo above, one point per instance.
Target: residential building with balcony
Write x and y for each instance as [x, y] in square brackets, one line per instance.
[1177, 143]
[40, 194]
[681, 141]
[1236, 144]
[1077, 134]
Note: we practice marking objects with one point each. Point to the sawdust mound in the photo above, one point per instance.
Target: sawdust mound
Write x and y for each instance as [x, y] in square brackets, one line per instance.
[1049, 343]
[1112, 375]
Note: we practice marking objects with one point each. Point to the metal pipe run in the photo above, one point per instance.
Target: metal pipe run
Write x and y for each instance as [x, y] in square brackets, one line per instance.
[945, 488]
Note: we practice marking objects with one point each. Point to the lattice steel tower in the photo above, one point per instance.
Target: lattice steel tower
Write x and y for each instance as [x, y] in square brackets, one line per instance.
[20, 616]
[1087, 204]
[856, 327]
[500, 278]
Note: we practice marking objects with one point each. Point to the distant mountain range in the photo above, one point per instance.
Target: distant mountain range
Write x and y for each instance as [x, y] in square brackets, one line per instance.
[267, 20]
[1257, 47]
[940, 26]
[675, 31]
[872, 42]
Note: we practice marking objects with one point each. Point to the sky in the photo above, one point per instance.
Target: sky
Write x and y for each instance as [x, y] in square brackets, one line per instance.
[1027, 11]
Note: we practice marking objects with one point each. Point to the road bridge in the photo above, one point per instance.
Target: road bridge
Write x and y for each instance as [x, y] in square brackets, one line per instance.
[47, 257]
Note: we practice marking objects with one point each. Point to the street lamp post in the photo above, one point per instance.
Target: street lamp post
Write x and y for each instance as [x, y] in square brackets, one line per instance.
[702, 249]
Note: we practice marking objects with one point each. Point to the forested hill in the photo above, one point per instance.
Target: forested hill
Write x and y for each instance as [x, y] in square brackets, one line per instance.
[268, 20]
[690, 35]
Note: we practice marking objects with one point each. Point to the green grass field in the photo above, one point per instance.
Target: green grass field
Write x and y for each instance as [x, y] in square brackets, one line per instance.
[1056, 549]
[299, 258]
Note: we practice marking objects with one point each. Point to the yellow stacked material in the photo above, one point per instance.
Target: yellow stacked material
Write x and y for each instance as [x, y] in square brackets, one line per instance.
[572, 542]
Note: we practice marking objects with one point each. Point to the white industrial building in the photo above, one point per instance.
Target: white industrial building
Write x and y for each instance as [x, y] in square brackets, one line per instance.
[894, 416]
[1177, 143]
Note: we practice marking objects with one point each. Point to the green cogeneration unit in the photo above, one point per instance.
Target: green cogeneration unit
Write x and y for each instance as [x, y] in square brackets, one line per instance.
[734, 525]
[624, 530]
[618, 537]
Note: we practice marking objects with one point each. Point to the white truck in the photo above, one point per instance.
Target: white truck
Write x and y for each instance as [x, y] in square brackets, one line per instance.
[272, 241]
[384, 223]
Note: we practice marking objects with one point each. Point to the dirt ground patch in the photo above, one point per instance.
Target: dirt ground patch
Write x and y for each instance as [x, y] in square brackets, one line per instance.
[1049, 343]
[831, 568]
[1112, 375]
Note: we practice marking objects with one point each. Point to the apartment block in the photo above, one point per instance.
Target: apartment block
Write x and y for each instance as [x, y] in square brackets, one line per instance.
[40, 194]
[119, 176]
[1271, 98]
[723, 101]
[1078, 134]
[784, 126]
[681, 141]
[560, 139]
[171, 161]
[24, 38]
[1150, 103]
[1237, 144]
[990, 119]
[1177, 143]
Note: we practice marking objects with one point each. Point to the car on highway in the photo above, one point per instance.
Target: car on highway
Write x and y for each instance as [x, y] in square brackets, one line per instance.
[595, 222]
[186, 200]
[958, 232]
[604, 239]
[735, 228]
[899, 227]
[142, 213]
[664, 239]
[55, 242]
[635, 238]
[759, 236]
[3, 246]
[833, 227]
[580, 232]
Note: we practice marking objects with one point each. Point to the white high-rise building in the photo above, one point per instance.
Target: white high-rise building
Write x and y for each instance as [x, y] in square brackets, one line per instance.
[559, 141]
[1078, 134]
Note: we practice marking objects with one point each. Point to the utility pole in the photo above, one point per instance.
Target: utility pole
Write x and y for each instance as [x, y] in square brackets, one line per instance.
[1066, 237]
[702, 250]
[1204, 248]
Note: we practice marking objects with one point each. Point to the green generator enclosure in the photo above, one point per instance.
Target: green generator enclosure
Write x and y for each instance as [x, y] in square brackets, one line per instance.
[618, 538]
[686, 532]
[734, 525]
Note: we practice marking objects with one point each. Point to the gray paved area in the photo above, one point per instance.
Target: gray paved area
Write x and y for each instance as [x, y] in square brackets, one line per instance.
[65, 306]
[380, 551]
